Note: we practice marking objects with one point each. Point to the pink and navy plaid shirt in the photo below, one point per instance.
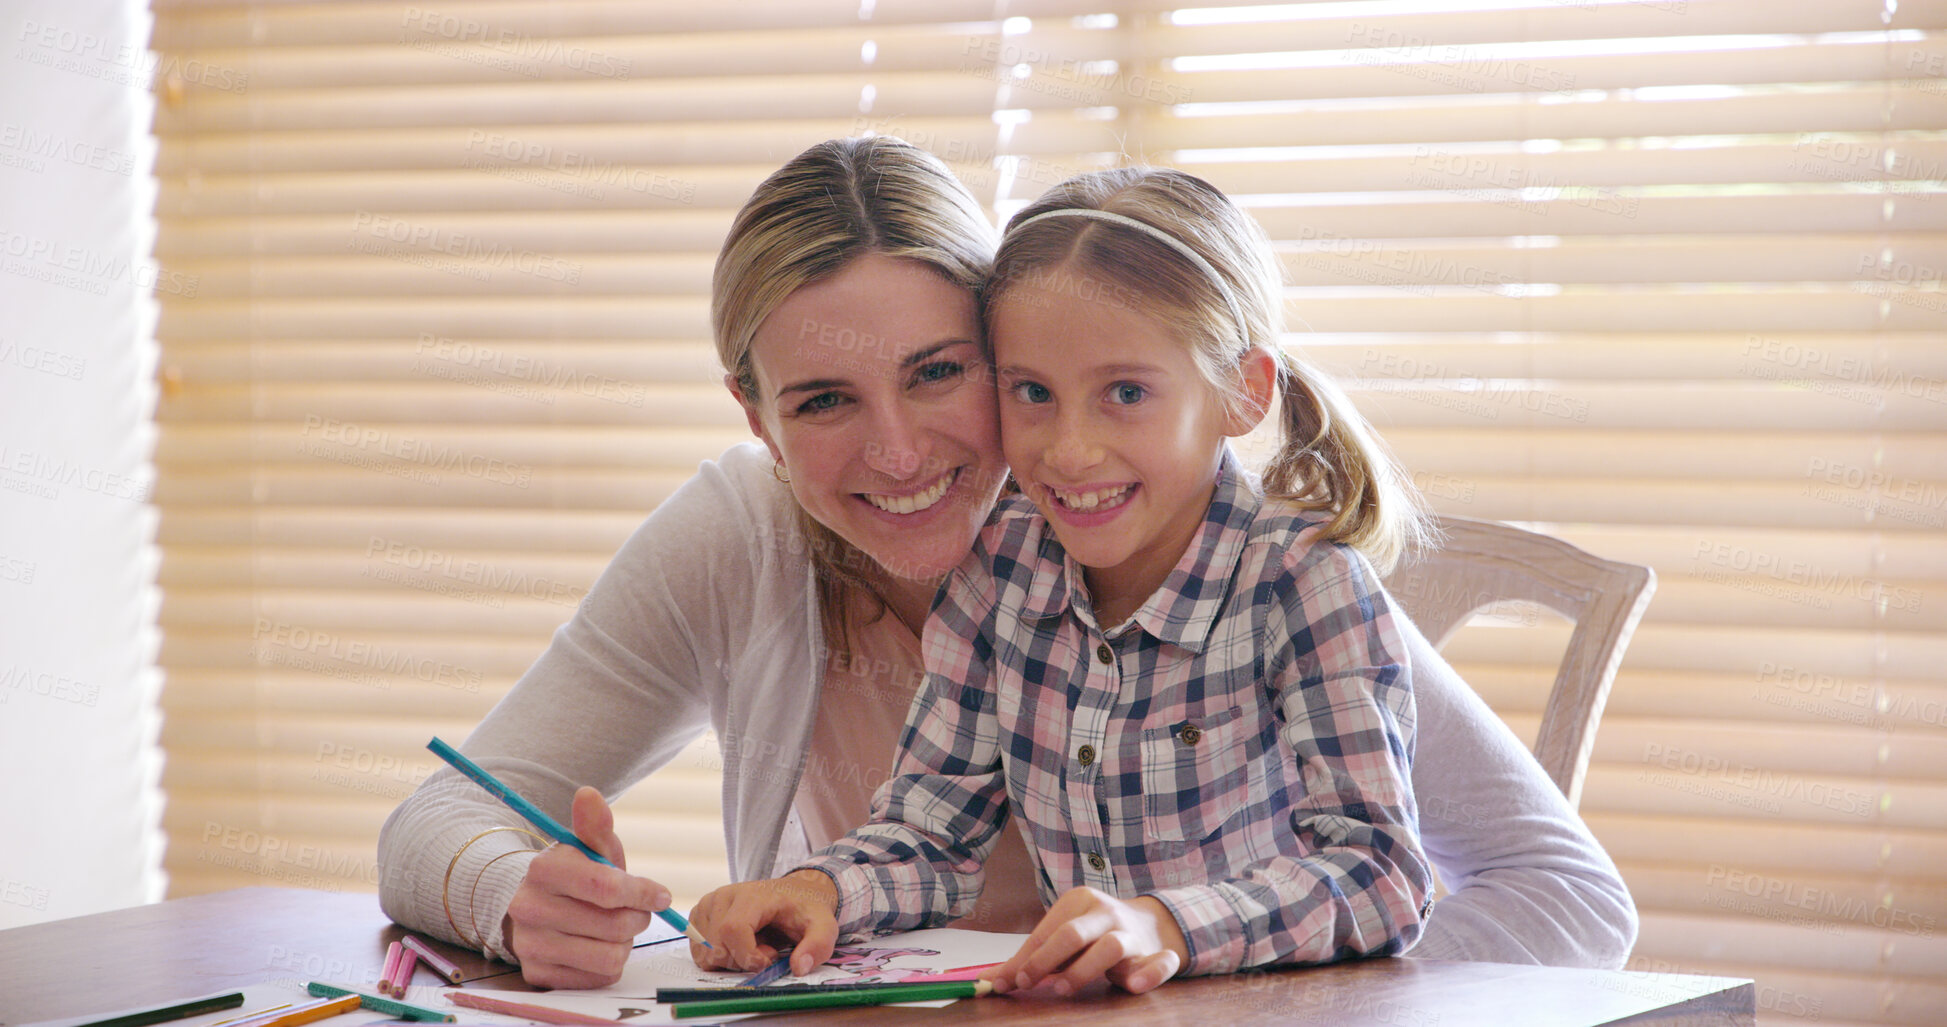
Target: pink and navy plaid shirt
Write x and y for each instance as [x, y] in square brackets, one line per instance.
[1239, 749]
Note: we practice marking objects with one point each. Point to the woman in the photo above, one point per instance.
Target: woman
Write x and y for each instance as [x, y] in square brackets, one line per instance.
[777, 598]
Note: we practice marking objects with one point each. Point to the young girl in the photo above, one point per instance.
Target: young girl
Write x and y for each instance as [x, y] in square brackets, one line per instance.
[1188, 685]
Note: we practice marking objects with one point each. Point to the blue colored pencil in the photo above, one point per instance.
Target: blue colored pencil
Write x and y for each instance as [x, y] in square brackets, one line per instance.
[547, 824]
[770, 973]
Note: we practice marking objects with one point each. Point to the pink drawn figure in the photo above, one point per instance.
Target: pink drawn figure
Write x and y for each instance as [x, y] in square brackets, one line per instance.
[867, 965]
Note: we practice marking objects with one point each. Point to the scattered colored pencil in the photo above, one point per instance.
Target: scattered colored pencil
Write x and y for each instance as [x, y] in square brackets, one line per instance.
[376, 1004]
[181, 1010]
[440, 964]
[542, 1014]
[306, 1013]
[777, 969]
[252, 1015]
[402, 974]
[392, 955]
[547, 824]
[667, 996]
[867, 996]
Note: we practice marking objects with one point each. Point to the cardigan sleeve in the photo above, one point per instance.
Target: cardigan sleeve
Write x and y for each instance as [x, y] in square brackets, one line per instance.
[624, 686]
[1528, 882]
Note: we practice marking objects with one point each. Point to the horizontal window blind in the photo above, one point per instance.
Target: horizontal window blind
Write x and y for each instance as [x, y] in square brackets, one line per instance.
[443, 343]
[1662, 278]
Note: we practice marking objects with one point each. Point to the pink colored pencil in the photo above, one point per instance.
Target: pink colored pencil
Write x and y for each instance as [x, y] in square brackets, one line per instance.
[440, 964]
[402, 974]
[393, 953]
[542, 1014]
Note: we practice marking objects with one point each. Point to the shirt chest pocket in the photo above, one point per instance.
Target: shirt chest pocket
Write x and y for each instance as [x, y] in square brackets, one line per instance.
[1195, 775]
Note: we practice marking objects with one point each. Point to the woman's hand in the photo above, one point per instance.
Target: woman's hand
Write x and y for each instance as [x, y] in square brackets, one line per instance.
[572, 923]
[748, 923]
[1090, 935]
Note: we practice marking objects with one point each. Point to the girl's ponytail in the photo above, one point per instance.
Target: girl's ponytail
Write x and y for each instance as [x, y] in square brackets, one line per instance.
[1330, 459]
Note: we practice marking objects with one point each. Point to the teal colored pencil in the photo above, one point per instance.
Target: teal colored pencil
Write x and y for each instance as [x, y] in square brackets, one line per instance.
[376, 1004]
[863, 996]
[547, 824]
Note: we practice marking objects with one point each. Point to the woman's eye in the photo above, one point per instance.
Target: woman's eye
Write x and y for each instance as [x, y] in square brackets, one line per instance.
[1127, 393]
[820, 403]
[1030, 392]
[938, 371]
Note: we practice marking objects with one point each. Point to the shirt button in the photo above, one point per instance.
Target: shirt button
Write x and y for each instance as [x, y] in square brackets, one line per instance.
[1102, 653]
[1096, 862]
[1086, 754]
[1190, 734]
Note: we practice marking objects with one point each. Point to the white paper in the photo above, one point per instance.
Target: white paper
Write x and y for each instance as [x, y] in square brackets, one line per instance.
[912, 957]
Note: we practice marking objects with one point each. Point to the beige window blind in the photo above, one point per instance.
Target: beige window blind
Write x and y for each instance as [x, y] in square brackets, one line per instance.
[1660, 277]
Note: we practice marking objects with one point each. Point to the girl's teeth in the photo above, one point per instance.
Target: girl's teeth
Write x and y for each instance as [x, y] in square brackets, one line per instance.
[913, 503]
[1090, 500]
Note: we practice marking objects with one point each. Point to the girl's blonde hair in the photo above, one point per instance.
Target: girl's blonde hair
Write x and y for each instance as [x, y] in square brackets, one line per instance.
[1329, 458]
[807, 221]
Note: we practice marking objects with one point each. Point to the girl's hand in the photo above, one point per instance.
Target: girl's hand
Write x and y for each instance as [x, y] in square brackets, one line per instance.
[1090, 935]
[572, 923]
[748, 923]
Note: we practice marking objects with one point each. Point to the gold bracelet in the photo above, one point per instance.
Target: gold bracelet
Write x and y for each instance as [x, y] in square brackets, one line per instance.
[447, 882]
[471, 905]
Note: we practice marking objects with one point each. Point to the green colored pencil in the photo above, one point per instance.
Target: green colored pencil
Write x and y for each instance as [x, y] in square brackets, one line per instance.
[861, 996]
[382, 1005]
[194, 1007]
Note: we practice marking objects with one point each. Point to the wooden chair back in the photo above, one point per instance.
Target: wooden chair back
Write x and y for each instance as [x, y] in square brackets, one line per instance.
[1484, 562]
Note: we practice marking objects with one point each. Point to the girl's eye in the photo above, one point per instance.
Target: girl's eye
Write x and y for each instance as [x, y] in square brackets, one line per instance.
[820, 403]
[1031, 392]
[938, 371]
[1128, 394]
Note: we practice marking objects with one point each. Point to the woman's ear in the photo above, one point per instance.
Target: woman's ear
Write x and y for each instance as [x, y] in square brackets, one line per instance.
[751, 417]
[1259, 371]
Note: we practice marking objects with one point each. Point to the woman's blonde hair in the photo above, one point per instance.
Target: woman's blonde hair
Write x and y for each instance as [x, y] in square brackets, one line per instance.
[1222, 306]
[830, 204]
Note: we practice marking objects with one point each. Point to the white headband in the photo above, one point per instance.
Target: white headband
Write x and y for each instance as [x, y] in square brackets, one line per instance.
[1236, 312]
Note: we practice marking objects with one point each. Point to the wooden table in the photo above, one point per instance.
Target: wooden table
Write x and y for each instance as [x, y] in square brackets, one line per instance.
[151, 955]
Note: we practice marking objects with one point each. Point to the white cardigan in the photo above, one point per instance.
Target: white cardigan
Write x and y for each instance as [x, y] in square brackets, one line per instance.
[707, 618]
